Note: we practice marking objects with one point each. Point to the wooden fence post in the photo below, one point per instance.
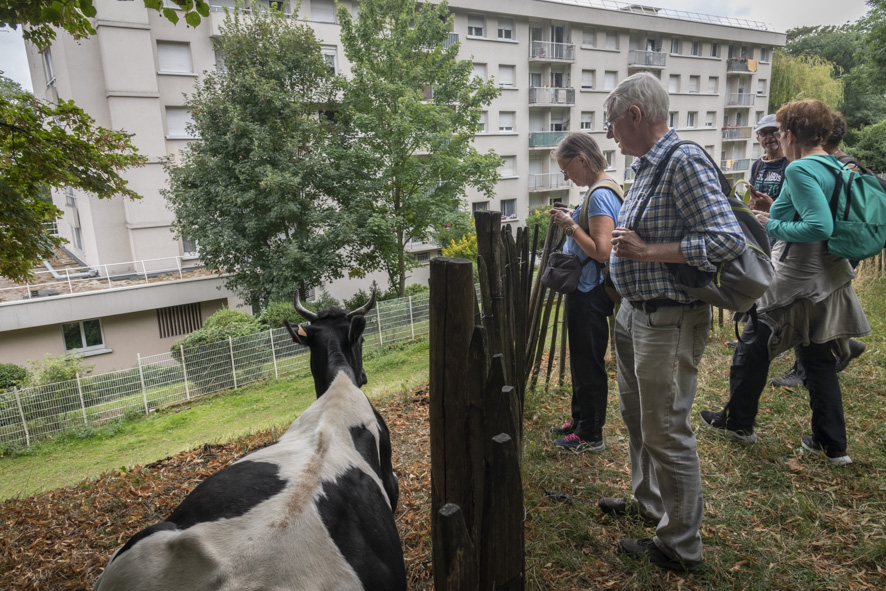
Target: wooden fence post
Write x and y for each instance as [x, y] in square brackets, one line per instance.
[501, 554]
[459, 557]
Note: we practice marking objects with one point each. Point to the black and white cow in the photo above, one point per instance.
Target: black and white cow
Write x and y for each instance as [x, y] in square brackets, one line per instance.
[313, 511]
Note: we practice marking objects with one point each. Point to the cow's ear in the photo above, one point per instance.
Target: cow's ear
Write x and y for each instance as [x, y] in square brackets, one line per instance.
[358, 325]
[297, 332]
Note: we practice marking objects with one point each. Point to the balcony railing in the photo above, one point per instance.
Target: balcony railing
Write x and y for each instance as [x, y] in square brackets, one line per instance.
[739, 99]
[740, 65]
[548, 50]
[737, 165]
[545, 138]
[736, 133]
[548, 181]
[452, 40]
[551, 96]
[653, 59]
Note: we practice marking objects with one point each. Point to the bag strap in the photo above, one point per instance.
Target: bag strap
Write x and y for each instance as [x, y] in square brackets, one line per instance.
[755, 168]
[601, 184]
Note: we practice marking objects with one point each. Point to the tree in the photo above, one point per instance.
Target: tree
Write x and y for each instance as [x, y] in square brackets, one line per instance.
[44, 146]
[874, 46]
[802, 77]
[412, 110]
[254, 190]
[73, 16]
[870, 146]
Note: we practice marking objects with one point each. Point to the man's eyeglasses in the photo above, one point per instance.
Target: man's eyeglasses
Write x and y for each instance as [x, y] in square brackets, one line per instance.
[563, 170]
[768, 131]
[612, 120]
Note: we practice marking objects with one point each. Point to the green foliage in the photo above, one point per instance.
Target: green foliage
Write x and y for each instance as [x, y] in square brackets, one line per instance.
[874, 46]
[539, 218]
[464, 248]
[459, 223]
[414, 289]
[55, 146]
[801, 77]
[56, 368]
[255, 188]
[870, 146]
[73, 16]
[218, 327]
[276, 312]
[11, 375]
[410, 110]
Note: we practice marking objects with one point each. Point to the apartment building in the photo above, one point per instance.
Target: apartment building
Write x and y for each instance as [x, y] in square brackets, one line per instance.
[555, 61]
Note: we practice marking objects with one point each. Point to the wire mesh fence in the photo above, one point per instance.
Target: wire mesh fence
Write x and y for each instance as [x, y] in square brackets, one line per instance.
[30, 414]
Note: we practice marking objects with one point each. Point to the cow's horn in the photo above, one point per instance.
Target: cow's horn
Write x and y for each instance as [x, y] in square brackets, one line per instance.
[361, 311]
[305, 313]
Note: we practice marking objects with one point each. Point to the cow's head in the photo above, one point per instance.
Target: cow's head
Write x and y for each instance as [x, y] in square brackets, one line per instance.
[335, 338]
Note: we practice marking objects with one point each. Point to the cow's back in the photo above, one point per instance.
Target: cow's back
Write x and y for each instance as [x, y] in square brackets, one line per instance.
[309, 512]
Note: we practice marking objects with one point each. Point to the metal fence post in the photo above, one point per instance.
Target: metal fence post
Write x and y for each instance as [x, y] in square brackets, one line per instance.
[21, 413]
[82, 405]
[411, 321]
[141, 377]
[185, 371]
[233, 365]
[273, 353]
[378, 316]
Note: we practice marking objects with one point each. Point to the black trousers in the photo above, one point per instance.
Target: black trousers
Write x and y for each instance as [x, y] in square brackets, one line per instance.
[588, 331]
[748, 377]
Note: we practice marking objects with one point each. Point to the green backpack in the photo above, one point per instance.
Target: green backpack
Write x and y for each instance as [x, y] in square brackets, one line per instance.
[858, 205]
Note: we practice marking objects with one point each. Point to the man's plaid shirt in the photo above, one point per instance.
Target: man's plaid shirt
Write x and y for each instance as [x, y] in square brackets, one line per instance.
[687, 207]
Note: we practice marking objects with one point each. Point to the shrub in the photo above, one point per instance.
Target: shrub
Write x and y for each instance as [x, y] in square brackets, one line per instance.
[56, 368]
[11, 375]
[276, 312]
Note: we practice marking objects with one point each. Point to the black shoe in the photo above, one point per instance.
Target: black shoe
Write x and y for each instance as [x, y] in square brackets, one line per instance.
[838, 458]
[856, 348]
[564, 430]
[717, 422]
[645, 547]
[621, 507]
[789, 380]
[732, 344]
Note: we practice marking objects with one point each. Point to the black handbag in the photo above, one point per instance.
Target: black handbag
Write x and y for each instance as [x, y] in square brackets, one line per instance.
[563, 272]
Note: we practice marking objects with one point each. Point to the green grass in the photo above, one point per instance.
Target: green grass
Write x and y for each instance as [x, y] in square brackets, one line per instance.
[85, 453]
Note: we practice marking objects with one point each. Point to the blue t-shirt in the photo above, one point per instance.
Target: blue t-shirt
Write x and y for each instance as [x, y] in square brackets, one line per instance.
[603, 202]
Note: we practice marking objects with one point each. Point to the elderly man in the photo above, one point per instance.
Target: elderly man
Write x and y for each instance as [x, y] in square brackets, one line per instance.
[767, 173]
[660, 331]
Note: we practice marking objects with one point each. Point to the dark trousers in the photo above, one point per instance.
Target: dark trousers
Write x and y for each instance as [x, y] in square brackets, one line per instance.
[588, 331]
[747, 378]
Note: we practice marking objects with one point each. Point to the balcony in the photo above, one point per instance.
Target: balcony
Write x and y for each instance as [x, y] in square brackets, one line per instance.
[551, 96]
[548, 181]
[740, 99]
[539, 139]
[736, 133]
[741, 65]
[452, 40]
[549, 51]
[646, 59]
[738, 165]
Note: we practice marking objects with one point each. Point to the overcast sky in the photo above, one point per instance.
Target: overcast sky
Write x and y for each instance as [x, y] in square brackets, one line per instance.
[781, 14]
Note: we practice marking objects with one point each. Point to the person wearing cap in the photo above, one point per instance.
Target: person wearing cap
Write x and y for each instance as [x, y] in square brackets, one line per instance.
[767, 173]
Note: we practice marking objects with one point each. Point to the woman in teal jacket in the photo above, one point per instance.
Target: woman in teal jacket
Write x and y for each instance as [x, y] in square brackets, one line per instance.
[810, 303]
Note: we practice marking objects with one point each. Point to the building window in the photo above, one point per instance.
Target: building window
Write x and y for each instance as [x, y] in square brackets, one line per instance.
[174, 58]
[610, 158]
[696, 48]
[674, 83]
[480, 71]
[476, 25]
[48, 70]
[610, 81]
[190, 248]
[179, 320]
[715, 49]
[589, 37]
[484, 117]
[508, 167]
[535, 79]
[505, 28]
[764, 54]
[761, 87]
[330, 56]
[713, 84]
[323, 11]
[710, 118]
[85, 335]
[177, 121]
[509, 209]
[587, 79]
[506, 121]
[422, 257]
[220, 67]
[694, 83]
[672, 119]
[675, 45]
[611, 40]
[506, 76]
[587, 120]
[691, 118]
[479, 206]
